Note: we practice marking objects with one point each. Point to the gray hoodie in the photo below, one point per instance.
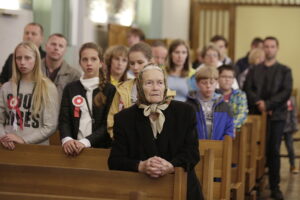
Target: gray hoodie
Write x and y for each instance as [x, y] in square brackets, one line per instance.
[36, 129]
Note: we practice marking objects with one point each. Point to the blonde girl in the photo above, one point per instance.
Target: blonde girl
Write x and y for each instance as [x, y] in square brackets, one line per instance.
[28, 102]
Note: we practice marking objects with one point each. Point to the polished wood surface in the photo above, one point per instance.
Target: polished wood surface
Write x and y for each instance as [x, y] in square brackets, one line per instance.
[205, 172]
[68, 183]
[238, 167]
[53, 156]
[251, 153]
[222, 165]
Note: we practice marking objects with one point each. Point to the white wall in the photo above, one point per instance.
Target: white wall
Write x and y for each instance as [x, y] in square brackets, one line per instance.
[175, 19]
[11, 32]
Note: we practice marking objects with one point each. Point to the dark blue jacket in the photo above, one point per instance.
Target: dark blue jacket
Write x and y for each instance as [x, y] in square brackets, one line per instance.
[222, 117]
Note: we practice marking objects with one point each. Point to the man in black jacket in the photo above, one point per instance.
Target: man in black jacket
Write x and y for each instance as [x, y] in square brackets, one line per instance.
[33, 32]
[268, 87]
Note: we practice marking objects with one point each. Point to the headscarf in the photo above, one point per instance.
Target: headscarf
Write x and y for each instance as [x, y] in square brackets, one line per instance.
[157, 125]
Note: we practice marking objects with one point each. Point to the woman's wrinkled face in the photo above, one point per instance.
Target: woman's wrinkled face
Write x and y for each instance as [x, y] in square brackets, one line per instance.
[153, 85]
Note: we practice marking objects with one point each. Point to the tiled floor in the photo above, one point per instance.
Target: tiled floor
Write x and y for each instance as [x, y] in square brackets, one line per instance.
[290, 183]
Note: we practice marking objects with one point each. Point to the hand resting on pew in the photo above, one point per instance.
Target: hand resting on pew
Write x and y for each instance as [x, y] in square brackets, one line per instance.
[73, 147]
[9, 139]
[155, 167]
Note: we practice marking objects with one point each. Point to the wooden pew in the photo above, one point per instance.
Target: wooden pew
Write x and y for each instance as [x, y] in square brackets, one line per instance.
[261, 145]
[260, 126]
[205, 173]
[222, 165]
[261, 179]
[251, 154]
[58, 183]
[41, 155]
[24, 196]
[238, 169]
[54, 139]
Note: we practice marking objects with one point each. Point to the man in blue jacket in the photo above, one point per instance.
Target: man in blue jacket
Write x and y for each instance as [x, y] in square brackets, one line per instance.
[214, 115]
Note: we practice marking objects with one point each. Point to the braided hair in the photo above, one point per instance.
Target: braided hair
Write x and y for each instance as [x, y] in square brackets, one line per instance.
[100, 98]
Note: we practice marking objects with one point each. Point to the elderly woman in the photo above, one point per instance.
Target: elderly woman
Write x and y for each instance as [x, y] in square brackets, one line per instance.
[164, 137]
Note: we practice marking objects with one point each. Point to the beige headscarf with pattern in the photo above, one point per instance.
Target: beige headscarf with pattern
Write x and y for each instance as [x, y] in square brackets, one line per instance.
[149, 108]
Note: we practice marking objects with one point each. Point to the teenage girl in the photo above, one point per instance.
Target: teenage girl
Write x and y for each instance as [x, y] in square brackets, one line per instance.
[85, 104]
[28, 102]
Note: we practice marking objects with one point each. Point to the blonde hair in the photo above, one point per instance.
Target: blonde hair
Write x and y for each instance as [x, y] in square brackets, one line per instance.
[40, 96]
[254, 55]
[206, 72]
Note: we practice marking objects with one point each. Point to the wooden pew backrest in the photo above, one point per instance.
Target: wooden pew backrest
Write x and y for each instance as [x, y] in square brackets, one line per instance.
[41, 155]
[260, 124]
[238, 170]
[222, 165]
[205, 173]
[67, 183]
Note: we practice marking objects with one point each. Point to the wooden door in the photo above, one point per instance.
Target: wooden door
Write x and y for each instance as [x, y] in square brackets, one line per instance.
[210, 19]
[117, 34]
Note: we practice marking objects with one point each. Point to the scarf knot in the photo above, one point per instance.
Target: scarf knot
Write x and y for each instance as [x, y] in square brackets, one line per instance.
[156, 125]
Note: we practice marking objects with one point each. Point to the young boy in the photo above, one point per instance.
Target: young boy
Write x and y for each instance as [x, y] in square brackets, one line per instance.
[214, 115]
[235, 97]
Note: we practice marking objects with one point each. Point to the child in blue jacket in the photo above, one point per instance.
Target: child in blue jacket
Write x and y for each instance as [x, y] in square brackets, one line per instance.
[214, 115]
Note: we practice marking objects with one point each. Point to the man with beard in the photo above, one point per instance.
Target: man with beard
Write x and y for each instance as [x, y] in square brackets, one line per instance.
[268, 87]
[54, 66]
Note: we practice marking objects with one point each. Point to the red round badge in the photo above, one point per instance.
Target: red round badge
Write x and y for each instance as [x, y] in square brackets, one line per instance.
[13, 103]
[78, 101]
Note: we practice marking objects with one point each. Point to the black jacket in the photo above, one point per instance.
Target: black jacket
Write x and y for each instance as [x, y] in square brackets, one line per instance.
[278, 89]
[7, 68]
[177, 143]
[69, 125]
[241, 65]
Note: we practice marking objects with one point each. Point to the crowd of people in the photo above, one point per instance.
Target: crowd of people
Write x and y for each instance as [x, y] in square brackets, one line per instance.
[149, 104]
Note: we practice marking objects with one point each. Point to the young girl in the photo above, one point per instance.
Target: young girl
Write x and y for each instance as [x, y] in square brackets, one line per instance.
[28, 102]
[85, 104]
[116, 61]
[179, 69]
[139, 55]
